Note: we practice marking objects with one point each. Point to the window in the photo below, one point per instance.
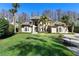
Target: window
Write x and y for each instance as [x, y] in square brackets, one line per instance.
[25, 28]
[59, 29]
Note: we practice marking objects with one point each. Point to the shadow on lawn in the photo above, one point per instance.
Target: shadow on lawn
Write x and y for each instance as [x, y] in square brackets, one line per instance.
[66, 43]
[37, 47]
[6, 36]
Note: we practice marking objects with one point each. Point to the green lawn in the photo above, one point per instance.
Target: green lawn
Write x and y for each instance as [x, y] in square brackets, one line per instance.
[35, 45]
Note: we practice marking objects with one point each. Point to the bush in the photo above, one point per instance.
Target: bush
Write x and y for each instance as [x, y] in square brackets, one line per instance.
[76, 29]
[70, 28]
[10, 29]
[3, 27]
[60, 37]
[49, 29]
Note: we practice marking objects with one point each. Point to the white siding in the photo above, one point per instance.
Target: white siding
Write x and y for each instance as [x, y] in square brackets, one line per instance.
[27, 29]
[60, 29]
[53, 30]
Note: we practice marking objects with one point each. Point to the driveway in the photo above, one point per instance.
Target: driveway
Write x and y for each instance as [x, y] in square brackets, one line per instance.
[74, 41]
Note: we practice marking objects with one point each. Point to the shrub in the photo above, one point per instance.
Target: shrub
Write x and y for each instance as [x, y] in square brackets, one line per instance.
[70, 28]
[10, 29]
[60, 37]
[76, 29]
[49, 29]
[3, 26]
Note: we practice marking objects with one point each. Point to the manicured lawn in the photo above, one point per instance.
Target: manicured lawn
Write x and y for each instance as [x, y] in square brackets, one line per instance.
[30, 44]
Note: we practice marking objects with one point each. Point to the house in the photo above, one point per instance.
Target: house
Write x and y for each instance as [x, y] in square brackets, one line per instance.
[59, 27]
[44, 27]
[50, 26]
[26, 27]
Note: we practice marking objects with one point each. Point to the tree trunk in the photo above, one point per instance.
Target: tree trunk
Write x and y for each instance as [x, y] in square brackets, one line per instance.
[72, 29]
[14, 24]
[20, 27]
[38, 28]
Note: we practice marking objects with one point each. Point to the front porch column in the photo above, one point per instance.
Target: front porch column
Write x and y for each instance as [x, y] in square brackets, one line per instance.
[33, 29]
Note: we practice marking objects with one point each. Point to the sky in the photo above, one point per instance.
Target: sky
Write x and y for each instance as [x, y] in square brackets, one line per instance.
[39, 7]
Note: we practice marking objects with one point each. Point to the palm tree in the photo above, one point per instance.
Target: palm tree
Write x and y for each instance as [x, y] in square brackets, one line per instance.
[44, 21]
[13, 11]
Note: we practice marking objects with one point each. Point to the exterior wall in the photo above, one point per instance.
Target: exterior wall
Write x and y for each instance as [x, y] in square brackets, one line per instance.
[66, 30]
[53, 30]
[34, 31]
[27, 29]
[63, 29]
[59, 29]
[40, 29]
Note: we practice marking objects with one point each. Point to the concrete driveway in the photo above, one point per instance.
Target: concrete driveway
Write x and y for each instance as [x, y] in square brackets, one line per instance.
[74, 40]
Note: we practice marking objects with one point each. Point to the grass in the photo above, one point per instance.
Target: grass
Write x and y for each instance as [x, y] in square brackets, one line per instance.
[23, 44]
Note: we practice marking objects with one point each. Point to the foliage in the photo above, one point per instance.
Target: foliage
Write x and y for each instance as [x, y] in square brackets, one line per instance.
[33, 44]
[43, 19]
[48, 13]
[3, 26]
[76, 29]
[49, 29]
[60, 37]
[10, 29]
[13, 11]
[65, 19]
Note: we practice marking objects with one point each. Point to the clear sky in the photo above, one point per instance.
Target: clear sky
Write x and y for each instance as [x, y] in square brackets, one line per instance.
[39, 7]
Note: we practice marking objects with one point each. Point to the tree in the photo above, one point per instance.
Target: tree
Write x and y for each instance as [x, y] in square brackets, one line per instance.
[22, 18]
[3, 26]
[6, 14]
[59, 13]
[72, 20]
[10, 30]
[47, 13]
[34, 14]
[35, 17]
[72, 27]
[44, 20]
[65, 19]
[13, 11]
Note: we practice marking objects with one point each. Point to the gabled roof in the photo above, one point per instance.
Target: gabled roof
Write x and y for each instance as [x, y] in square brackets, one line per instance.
[27, 24]
[58, 23]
